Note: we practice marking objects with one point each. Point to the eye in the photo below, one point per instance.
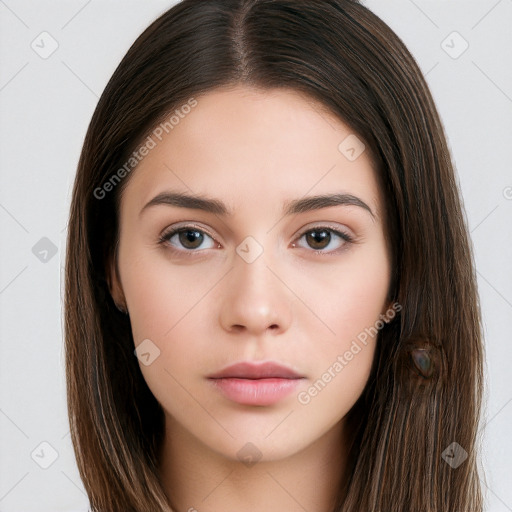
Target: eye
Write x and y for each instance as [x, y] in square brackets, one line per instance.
[186, 238]
[324, 237]
[190, 239]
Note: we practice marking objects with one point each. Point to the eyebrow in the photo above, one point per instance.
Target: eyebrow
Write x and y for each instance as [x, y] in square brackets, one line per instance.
[210, 205]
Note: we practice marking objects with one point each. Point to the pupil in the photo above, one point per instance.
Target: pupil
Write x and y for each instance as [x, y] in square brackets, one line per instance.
[189, 237]
[318, 237]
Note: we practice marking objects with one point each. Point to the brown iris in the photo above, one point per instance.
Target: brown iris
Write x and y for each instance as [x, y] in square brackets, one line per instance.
[316, 239]
[190, 236]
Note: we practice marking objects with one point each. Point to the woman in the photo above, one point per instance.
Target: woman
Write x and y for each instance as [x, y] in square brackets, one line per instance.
[270, 292]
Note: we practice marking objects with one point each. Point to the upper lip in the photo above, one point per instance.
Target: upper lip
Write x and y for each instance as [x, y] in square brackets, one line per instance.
[249, 370]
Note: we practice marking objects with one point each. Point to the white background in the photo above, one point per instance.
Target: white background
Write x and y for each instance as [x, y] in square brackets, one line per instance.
[45, 108]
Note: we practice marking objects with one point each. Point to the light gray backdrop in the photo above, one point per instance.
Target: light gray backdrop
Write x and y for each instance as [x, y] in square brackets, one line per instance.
[56, 58]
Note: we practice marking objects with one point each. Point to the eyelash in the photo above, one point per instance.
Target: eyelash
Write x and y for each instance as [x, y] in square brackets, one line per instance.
[167, 235]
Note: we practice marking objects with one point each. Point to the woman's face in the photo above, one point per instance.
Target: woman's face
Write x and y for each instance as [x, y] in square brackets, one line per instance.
[264, 274]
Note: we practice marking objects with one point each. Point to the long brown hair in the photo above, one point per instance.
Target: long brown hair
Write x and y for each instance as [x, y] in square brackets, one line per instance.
[403, 457]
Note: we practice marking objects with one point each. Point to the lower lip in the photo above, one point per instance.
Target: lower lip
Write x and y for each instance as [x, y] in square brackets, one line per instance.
[256, 391]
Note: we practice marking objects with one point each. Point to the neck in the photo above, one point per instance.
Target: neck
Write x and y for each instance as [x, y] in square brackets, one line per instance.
[196, 478]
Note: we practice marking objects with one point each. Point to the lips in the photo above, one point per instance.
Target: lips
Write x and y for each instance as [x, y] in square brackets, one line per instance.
[246, 370]
[256, 384]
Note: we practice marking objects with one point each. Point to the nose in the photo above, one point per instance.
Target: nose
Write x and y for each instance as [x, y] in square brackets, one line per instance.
[255, 299]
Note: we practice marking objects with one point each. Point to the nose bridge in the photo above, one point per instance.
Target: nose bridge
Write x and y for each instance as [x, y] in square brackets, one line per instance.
[255, 299]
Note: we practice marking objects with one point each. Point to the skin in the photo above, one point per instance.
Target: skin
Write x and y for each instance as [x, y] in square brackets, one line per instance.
[253, 150]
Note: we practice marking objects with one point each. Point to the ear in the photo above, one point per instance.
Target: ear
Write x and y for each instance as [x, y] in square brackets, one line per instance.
[114, 282]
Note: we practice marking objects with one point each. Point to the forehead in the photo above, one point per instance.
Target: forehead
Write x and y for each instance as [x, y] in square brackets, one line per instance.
[245, 145]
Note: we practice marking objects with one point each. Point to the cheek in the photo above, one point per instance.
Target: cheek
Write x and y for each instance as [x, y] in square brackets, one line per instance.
[350, 306]
[161, 295]
[354, 295]
[337, 386]
[341, 363]
[167, 305]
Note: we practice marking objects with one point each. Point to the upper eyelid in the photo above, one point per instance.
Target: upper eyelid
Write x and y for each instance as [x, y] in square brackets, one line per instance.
[176, 229]
[327, 225]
